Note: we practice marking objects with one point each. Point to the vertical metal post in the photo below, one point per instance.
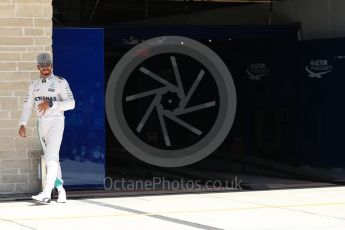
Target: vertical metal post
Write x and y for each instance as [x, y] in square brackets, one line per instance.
[146, 9]
[270, 13]
[93, 11]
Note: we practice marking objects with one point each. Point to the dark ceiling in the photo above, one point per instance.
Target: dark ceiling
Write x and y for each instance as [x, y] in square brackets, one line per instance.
[106, 12]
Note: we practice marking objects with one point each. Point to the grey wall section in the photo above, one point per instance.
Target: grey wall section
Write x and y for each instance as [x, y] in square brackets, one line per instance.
[253, 14]
[318, 18]
[314, 15]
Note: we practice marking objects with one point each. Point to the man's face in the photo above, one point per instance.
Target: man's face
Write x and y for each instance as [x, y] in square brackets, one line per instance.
[45, 70]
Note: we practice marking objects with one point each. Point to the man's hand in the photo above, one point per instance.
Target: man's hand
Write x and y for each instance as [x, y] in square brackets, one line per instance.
[43, 107]
[22, 131]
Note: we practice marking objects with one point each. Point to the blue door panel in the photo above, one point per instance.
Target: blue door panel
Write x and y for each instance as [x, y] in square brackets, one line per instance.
[79, 57]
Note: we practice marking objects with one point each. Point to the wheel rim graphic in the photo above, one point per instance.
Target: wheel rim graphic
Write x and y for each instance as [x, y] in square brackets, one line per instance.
[170, 101]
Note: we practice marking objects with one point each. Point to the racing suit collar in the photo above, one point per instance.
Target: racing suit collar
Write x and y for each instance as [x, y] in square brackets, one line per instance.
[44, 79]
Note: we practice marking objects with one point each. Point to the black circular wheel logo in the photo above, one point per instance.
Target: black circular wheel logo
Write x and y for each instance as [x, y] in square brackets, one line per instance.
[170, 101]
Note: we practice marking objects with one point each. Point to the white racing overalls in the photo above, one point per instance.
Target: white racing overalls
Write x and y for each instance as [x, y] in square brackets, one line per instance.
[51, 123]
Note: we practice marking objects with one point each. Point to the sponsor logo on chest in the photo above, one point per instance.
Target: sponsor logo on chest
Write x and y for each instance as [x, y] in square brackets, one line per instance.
[43, 98]
[51, 87]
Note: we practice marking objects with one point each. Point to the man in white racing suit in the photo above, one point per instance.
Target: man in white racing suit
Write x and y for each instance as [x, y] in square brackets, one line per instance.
[50, 96]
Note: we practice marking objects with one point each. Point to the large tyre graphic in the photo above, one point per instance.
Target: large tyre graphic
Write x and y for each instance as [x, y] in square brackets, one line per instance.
[191, 111]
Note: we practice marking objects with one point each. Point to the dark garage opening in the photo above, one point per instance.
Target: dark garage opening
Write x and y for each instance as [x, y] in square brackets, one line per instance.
[280, 133]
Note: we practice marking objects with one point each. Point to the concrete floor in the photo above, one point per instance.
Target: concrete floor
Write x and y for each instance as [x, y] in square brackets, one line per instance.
[315, 208]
